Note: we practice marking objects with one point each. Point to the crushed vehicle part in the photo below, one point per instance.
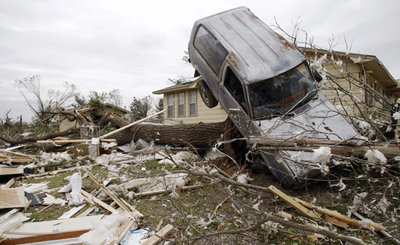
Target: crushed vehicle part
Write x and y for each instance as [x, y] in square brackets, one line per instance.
[267, 89]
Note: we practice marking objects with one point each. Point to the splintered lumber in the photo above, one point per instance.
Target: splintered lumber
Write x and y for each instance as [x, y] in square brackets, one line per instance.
[293, 202]
[159, 236]
[131, 124]
[99, 202]
[12, 198]
[338, 216]
[109, 193]
[197, 135]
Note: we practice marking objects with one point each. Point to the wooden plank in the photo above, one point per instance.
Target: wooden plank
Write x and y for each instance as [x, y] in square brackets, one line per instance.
[12, 198]
[71, 212]
[44, 237]
[292, 202]
[99, 202]
[9, 183]
[131, 124]
[338, 216]
[109, 193]
[159, 236]
[125, 229]
[12, 170]
[87, 211]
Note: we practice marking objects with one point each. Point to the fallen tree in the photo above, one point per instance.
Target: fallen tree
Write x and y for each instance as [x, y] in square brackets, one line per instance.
[198, 135]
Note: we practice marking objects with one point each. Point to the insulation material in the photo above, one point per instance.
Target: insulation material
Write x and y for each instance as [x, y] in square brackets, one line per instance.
[167, 182]
[104, 229]
[74, 187]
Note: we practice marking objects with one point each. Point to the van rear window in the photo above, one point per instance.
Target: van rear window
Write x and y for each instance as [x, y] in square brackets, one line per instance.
[210, 48]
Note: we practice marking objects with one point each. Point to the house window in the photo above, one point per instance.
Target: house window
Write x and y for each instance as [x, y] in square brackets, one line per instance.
[181, 104]
[192, 103]
[171, 105]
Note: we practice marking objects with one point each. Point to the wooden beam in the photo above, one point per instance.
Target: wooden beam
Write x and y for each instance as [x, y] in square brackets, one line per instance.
[131, 124]
[109, 193]
[99, 202]
[292, 202]
[335, 214]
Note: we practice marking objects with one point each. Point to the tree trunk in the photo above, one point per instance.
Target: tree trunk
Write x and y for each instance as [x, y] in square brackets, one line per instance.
[197, 135]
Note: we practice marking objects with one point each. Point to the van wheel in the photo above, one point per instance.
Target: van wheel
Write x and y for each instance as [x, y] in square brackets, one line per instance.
[207, 96]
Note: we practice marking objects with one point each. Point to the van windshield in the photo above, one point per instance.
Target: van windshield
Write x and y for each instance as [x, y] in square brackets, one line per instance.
[278, 95]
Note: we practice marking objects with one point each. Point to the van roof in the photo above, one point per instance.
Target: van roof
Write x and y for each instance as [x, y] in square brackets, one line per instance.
[254, 49]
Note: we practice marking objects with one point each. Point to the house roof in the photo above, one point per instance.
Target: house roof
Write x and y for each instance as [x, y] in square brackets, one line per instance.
[192, 83]
[370, 62]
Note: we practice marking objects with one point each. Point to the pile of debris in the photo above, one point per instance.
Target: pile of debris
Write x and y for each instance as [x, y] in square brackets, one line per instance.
[140, 193]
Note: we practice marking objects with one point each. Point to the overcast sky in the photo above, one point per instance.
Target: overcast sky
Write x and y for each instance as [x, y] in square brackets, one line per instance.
[135, 46]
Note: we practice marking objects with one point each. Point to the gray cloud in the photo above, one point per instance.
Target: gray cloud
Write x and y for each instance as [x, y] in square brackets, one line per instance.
[135, 46]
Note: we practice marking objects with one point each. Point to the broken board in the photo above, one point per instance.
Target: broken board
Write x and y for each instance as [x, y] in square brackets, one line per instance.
[54, 226]
[11, 170]
[12, 198]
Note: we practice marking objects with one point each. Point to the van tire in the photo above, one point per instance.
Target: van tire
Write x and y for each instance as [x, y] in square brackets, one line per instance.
[208, 98]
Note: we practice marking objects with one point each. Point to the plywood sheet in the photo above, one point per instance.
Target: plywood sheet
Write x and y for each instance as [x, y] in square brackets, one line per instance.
[12, 198]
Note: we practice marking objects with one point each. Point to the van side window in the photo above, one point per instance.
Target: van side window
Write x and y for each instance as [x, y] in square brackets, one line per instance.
[210, 48]
[234, 86]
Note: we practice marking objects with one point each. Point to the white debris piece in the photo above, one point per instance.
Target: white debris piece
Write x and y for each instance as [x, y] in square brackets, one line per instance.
[107, 146]
[242, 178]
[213, 154]
[34, 188]
[396, 116]
[50, 200]
[383, 204]
[103, 159]
[375, 156]
[166, 182]
[103, 230]
[11, 220]
[341, 185]
[74, 196]
[322, 155]
[46, 158]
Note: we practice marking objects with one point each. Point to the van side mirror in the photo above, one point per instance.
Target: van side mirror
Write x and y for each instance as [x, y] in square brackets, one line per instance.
[316, 75]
